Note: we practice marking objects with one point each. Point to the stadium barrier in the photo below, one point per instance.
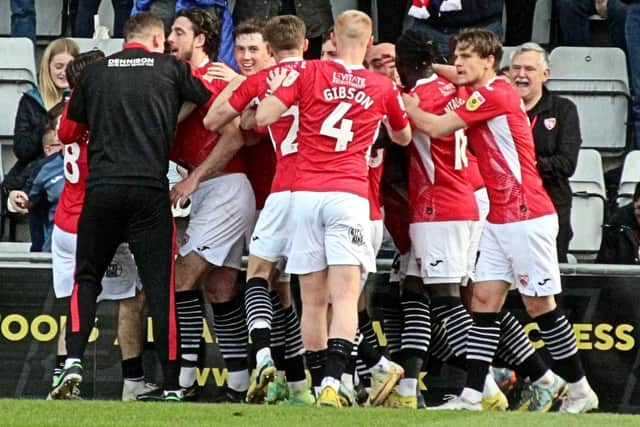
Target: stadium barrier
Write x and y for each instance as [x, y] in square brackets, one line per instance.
[600, 301]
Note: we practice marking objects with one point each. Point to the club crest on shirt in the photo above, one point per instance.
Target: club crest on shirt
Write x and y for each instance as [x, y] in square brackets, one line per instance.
[290, 79]
[114, 270]
[475, 101]
[357, 235]
[550, 123]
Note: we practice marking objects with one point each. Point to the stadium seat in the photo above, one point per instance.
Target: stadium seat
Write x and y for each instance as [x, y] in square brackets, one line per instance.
[108, 46]
[596, 80]
[589, 202]
[17, 75]
[541, 32]
[506, 55]
[630, 177]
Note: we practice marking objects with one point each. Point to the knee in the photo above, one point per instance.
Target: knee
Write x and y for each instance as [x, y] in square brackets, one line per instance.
[537, 306]
[220, 292]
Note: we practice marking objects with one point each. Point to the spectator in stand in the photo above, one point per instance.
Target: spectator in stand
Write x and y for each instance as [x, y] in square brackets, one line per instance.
[316, 15]
[519, 21]
[632, 34]
[621, 235]
[556, 133]
[440, 20]
[31, 119]
[40, 196]
[390, 17]
[88, 8]
[573, 17]
[23, 19]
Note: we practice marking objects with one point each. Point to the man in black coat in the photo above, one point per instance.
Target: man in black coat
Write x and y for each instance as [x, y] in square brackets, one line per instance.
[621, 235]
[556, 133]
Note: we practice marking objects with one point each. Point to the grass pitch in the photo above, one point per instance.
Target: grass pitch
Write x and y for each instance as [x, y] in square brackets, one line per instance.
[109, 413]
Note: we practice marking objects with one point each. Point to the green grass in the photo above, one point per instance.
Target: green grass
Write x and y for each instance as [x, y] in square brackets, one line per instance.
[105, 413]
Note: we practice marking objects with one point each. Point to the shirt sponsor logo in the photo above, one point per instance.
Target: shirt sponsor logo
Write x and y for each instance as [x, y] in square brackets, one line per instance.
[348, 79]
[130, 62]
[475, 101]
[550, 123]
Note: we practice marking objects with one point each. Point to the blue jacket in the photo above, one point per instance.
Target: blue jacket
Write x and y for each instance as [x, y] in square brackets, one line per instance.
[44, 188]
[226, 31]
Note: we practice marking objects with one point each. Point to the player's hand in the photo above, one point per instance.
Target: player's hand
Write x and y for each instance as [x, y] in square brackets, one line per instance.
[19, 200]
[182, 190]
[220, 70]
[276, 77]
[411, 102]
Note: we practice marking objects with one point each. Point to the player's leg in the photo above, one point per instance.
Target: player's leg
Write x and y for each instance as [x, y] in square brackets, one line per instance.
[100, 230]
[152, 239]
[543, 282]
[230, 328]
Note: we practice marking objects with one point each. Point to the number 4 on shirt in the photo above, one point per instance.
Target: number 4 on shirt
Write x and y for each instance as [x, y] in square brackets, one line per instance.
[341, 133]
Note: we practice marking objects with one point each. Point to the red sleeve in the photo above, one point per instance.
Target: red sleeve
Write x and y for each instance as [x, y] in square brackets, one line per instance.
[253, 87]
[394, 109]
[482, 105]
[70, 131]
[215, 86]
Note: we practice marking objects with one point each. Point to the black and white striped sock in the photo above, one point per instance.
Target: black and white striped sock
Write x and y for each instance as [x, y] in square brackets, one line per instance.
[230, 327]
[189, 314]
[560, 340]
[278, 332]
[483, 338]
[294, 349]
[514, 347]
[416, 318]
[259, 311]
[455, 320]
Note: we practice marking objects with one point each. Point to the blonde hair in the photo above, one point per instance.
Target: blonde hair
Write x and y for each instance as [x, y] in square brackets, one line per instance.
[353, 26]
[49, 92]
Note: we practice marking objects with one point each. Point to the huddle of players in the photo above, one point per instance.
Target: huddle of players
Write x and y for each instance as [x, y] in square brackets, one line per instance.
[322, 118]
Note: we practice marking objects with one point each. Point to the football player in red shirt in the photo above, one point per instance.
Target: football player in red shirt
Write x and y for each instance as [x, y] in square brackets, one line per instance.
[341, 106]
[222, 212]
[286, 37]
[518, 242]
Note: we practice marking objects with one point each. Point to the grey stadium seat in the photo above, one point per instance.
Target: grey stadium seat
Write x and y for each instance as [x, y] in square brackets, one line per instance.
[596, 80]
[589, 203]
[630, 177]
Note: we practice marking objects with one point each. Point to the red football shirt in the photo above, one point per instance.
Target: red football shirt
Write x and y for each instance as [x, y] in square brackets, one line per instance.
[283, 132]
[439, 188]
[193, 142]
[376, 167]
[340, 110]
[500, 136]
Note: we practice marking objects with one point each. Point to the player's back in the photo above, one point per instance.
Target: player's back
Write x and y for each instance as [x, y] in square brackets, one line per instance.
[439, 189]
[340, 112]
[75, 176]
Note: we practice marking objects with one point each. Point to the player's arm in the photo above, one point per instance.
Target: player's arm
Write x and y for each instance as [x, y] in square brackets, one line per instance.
[446, 71]
[221, 112]
[228, 145]
[434, 125]
[186, 109]
[400, 137]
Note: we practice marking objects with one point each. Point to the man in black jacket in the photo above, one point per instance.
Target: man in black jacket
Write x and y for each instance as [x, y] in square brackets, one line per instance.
[130, 103]
[621, 235]
[556, 133]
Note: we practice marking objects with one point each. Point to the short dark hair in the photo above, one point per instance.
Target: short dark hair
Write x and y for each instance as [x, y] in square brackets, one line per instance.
[75, 67]
[204, 22]
[416, 49]
[481, 41]
[54, 113]
[327, 34]
[285, 32]
[249, 26]
[140, 23]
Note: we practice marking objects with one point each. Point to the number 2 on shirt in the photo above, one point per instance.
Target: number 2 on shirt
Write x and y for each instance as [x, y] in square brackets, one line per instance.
[342, 134]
